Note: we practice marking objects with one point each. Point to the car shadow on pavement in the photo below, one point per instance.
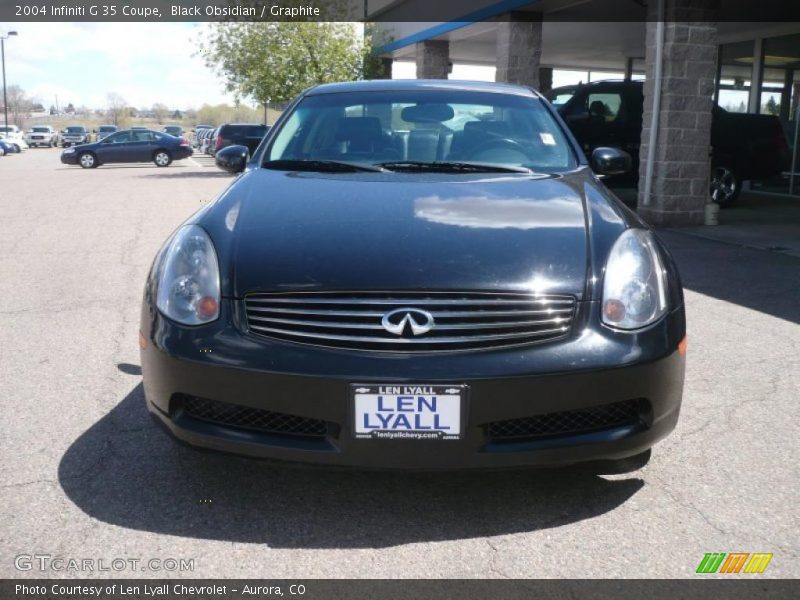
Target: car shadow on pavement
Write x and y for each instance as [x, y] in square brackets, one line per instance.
[189, 174]
[126, 471]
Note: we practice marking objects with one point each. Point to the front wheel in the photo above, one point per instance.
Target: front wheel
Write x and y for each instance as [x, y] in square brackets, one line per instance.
[725, 186]
[162, 158]
[87, 160]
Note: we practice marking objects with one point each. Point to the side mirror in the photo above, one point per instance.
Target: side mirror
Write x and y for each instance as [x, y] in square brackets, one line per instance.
[611, 161]
[232, 159]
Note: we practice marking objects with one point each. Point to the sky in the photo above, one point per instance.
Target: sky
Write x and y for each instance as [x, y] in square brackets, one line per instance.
[145, 63]
[81, 63]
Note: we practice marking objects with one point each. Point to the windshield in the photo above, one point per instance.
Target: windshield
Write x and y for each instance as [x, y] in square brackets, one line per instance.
[423, 127]
[107, 129]
[74, 129]
[561, 96]
[40, 129]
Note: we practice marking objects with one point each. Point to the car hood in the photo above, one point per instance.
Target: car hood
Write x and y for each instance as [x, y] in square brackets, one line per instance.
[278, 231]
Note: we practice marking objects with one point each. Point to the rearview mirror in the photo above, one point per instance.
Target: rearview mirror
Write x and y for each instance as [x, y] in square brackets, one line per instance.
[232, 159]
[611, 161]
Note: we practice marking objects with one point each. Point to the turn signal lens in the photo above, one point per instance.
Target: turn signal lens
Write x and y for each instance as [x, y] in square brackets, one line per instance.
[682, 346]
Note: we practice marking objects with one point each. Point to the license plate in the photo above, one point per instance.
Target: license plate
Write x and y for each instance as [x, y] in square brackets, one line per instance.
[408, 412]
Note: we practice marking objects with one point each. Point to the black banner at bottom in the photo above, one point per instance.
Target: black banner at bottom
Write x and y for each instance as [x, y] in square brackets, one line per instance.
[390, 589]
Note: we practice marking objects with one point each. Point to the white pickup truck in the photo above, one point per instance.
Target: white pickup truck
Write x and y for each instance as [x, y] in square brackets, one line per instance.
[42, 135]
[13, 135]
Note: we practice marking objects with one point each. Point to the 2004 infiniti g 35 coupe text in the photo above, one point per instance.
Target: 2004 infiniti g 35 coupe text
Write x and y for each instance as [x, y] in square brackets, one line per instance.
[417, 274]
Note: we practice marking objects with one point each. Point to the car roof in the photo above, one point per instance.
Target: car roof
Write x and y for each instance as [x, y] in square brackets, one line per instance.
[386, 85]
[598, 84]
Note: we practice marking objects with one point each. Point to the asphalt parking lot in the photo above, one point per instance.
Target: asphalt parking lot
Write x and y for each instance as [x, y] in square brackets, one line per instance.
[86, 474]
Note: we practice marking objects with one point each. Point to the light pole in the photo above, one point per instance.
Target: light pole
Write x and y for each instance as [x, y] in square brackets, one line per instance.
[3, 39]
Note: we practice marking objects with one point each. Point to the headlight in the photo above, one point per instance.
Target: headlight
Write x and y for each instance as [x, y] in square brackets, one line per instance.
[634, 285]
[188, 282]
[69, 151]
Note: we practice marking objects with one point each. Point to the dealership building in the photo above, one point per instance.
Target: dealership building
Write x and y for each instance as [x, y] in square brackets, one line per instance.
[691, 53]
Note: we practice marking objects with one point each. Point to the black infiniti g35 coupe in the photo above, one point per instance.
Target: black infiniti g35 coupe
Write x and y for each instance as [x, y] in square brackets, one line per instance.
[417, 274]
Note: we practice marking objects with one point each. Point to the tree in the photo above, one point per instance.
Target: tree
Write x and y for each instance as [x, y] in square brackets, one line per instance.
[19, 105]
[53, 110]
[273, 62]
[160, 112]
[177, 115]
[70, 110]
[773, 107]
[117, 107]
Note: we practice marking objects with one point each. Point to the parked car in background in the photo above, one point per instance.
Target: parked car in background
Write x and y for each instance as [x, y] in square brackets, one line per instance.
[7, 148]
[104, 131]
[13, 135]
[207, 144]
[129, 146]
[42, 135]
[175, 130]
[75, 135]
[199, 132]
[609, 113]
[240, 134]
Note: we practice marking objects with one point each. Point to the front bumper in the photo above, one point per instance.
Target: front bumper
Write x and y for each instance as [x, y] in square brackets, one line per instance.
[69, 159]
[593, 368]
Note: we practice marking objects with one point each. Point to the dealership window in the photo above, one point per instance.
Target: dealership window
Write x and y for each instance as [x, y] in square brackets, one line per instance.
[734, 76]
[779, 95]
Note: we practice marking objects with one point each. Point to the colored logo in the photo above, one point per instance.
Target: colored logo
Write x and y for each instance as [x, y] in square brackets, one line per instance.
[734, 562]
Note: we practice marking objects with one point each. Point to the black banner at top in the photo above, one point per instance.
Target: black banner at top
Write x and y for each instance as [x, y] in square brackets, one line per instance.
[398, 10]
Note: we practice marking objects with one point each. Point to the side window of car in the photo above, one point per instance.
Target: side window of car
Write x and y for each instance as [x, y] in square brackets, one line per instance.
[120, 137]
[604, 106]
[142, 136]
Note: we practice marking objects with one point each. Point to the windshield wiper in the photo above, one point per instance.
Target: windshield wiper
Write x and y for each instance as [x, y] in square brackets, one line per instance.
[325, 166]
[451, 167]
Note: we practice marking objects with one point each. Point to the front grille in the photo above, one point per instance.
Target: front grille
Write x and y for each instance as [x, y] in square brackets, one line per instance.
[567, 422]
[461, 321]
[244, 417]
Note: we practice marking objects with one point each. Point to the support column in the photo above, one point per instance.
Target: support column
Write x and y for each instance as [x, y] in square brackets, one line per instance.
[519, 49]
[384, 69]
[433, 59]
[681, 162]
[545, 79]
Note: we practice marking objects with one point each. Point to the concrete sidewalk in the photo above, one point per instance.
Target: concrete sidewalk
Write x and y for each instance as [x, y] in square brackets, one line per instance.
[760, 221]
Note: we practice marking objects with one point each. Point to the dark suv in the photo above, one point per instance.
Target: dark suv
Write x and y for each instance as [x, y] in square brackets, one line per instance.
[609, 113]
[240, 134]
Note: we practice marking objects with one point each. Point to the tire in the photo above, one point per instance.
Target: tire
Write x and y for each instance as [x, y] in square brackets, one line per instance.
[725, 186]
[53, 143]
[622, 465]
[87, 160]
[162, 158]
[17, 149]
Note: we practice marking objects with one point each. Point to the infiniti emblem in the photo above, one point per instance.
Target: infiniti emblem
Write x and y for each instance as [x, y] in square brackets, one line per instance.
[398, 320]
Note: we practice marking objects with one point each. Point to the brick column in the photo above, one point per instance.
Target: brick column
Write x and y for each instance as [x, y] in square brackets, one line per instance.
[433, 59]
[680, 184]
[519, 48]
